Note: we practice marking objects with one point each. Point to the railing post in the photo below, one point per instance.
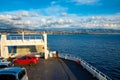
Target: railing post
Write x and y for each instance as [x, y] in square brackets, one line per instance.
[10, 38]
[22, 35]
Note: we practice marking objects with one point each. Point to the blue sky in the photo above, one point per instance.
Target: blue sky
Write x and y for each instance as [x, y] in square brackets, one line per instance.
[59, 13]
[80, 7]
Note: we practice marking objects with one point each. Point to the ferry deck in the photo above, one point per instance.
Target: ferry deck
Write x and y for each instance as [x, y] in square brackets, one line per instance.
[58, 69]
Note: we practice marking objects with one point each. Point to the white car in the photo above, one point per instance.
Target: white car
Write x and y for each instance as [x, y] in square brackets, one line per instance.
[5, 64]
[2, 59]
[13, 73]
[39, 55]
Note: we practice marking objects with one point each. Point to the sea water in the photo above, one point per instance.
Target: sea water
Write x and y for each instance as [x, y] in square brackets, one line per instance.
[100, 50]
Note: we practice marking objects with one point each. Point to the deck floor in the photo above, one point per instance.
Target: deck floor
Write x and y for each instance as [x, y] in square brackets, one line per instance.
[58, 69]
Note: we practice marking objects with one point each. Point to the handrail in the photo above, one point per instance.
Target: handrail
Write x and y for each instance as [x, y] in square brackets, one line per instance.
[95, 72]
[25, 37]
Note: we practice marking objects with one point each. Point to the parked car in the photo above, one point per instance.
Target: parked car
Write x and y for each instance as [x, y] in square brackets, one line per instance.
[5, 64]
[39, 55]
[2, 59]
[13, 73]
[26, 60]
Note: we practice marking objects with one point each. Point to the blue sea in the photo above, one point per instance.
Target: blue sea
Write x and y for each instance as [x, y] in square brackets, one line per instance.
[100, 50]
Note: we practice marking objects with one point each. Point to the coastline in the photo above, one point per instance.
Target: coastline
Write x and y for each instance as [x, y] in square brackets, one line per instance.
[33, 32]
[60, 31]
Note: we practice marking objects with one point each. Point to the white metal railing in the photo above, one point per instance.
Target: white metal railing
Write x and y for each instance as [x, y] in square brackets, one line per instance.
[25, 37]
[95, 72]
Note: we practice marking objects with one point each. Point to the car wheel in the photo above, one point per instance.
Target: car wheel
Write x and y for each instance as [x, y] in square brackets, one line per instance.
[15, 64]
[31, 64]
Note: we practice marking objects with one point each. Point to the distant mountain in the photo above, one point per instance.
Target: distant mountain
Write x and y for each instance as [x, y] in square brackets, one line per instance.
[98, 30]
[12, 29]
[60, 30]
[78, 30]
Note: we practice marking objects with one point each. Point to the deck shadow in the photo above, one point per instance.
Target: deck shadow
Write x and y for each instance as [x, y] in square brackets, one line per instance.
[79, 72]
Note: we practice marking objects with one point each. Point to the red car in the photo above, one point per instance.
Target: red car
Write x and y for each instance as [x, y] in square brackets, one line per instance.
[26, 60]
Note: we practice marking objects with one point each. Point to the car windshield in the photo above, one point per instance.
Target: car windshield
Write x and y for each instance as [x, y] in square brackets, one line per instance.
[3, 66]
[1, 58]
[7, 77]
[23, 57]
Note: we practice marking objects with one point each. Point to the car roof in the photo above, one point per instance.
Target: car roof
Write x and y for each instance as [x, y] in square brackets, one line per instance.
[1, 58]
[5, 63]
[25, 56]
[11, 70]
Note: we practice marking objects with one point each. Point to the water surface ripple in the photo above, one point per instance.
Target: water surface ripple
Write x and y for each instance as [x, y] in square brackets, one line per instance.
[100, 50]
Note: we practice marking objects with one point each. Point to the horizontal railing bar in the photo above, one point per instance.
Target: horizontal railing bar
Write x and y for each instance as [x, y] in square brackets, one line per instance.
[25, 37]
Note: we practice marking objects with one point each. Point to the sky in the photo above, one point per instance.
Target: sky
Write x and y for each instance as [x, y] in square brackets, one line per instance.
[39, 14]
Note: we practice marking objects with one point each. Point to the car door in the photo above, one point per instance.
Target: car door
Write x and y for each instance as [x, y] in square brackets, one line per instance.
[22, 60]
[28, 60]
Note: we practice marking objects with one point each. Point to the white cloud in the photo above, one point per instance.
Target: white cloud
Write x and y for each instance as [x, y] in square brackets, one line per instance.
[64, 14]
[53, 2]
[34, 20]
[24, 13]
[54, 10]
[84, 1]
